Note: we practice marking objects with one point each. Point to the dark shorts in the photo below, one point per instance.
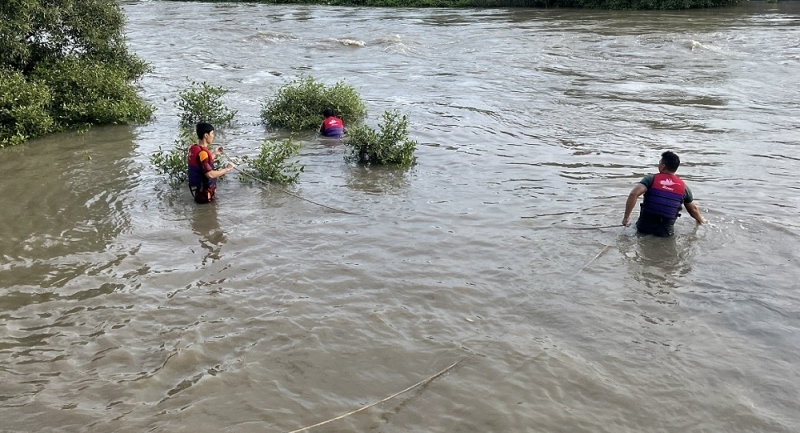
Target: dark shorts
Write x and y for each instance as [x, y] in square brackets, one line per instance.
[203, 194]
[334, 132]
[655, 225]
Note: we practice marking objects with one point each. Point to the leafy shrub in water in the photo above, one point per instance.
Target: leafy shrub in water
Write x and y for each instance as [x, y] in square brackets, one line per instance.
[75, 66]
[271, 163]
[23, 108]
[175, 163]
[389, 145]
[201, 102]
[298, 105]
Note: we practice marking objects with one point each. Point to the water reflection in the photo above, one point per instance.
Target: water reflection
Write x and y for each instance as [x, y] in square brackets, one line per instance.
[658, 262]
[205, 224]
[376, 179]
[69, 193]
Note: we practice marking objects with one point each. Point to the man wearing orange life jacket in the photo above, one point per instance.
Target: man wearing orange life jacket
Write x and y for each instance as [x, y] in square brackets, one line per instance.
[202, 176]
[664, 195]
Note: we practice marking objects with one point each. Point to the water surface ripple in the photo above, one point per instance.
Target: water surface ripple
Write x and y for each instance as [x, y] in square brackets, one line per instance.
[127, 308]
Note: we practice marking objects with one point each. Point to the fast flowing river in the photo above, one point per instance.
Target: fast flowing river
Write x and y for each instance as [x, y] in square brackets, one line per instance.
[125, 307]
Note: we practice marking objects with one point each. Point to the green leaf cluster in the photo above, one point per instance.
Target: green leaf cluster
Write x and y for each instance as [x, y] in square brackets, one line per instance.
[271, 164]
[298, 105]
[65, 65]
[89, 92]
[23, 108]
[175, 162]
[202, 102]
[389, 145]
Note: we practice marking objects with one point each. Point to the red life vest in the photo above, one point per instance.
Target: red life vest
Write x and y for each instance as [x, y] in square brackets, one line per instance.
[200, 185]
[332, 126]
[665, 197]
[194, 152]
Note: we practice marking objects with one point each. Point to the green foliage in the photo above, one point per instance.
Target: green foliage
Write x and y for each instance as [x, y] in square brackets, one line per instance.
[37, 31]
[175, 162]
[390, 145]
[23, 108]
[271, 163]
[201, 102]
[298, 105]
[88, 92]
[593, 4]
[69, 66]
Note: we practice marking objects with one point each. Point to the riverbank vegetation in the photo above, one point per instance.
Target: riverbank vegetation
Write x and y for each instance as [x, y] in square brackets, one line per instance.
[65, 66]
[298, 104]
[586, 4]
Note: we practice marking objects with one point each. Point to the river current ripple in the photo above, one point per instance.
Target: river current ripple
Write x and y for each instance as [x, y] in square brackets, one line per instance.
[127, 308]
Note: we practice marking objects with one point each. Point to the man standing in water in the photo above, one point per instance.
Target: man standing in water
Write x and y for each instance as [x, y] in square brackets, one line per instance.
[202, 176]
[664, 193]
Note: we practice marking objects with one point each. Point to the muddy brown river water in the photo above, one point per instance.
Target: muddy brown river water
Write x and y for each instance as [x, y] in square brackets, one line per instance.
[124, 307]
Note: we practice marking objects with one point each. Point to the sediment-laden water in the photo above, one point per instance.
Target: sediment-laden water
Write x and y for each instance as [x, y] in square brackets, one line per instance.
[127, 308]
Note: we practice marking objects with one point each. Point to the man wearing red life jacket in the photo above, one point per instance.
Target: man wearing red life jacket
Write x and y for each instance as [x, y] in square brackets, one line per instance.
[202, 176]
[332, 126]
[664, 195]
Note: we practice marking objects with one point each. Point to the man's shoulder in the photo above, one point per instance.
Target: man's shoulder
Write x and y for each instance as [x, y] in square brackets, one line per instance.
[687, 194]
[203, 154]
[647, 180]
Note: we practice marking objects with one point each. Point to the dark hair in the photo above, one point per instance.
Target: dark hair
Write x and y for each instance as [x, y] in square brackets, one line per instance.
[202, 129]
[327, 112]
[670, 161]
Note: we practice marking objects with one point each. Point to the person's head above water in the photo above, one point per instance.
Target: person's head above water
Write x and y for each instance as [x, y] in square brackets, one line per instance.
[202, 129]
[670, 161]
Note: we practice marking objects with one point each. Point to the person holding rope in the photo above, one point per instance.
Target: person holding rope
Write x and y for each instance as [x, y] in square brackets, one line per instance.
[664, 194]
[202, 176]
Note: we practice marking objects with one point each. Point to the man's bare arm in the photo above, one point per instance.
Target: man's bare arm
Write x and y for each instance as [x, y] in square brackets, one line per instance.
[694, 212]
[633, 197]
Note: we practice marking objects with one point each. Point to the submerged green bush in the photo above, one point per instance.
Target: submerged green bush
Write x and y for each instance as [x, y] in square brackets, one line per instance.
[389, 145]
[298, 105]
[202, 102]
[271, 164]
[175, 162]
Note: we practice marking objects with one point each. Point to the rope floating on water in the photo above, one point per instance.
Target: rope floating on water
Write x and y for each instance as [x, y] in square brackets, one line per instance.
[293, 194]
[422, 382]
[591, 228]
[574, 227]
[591, 261]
